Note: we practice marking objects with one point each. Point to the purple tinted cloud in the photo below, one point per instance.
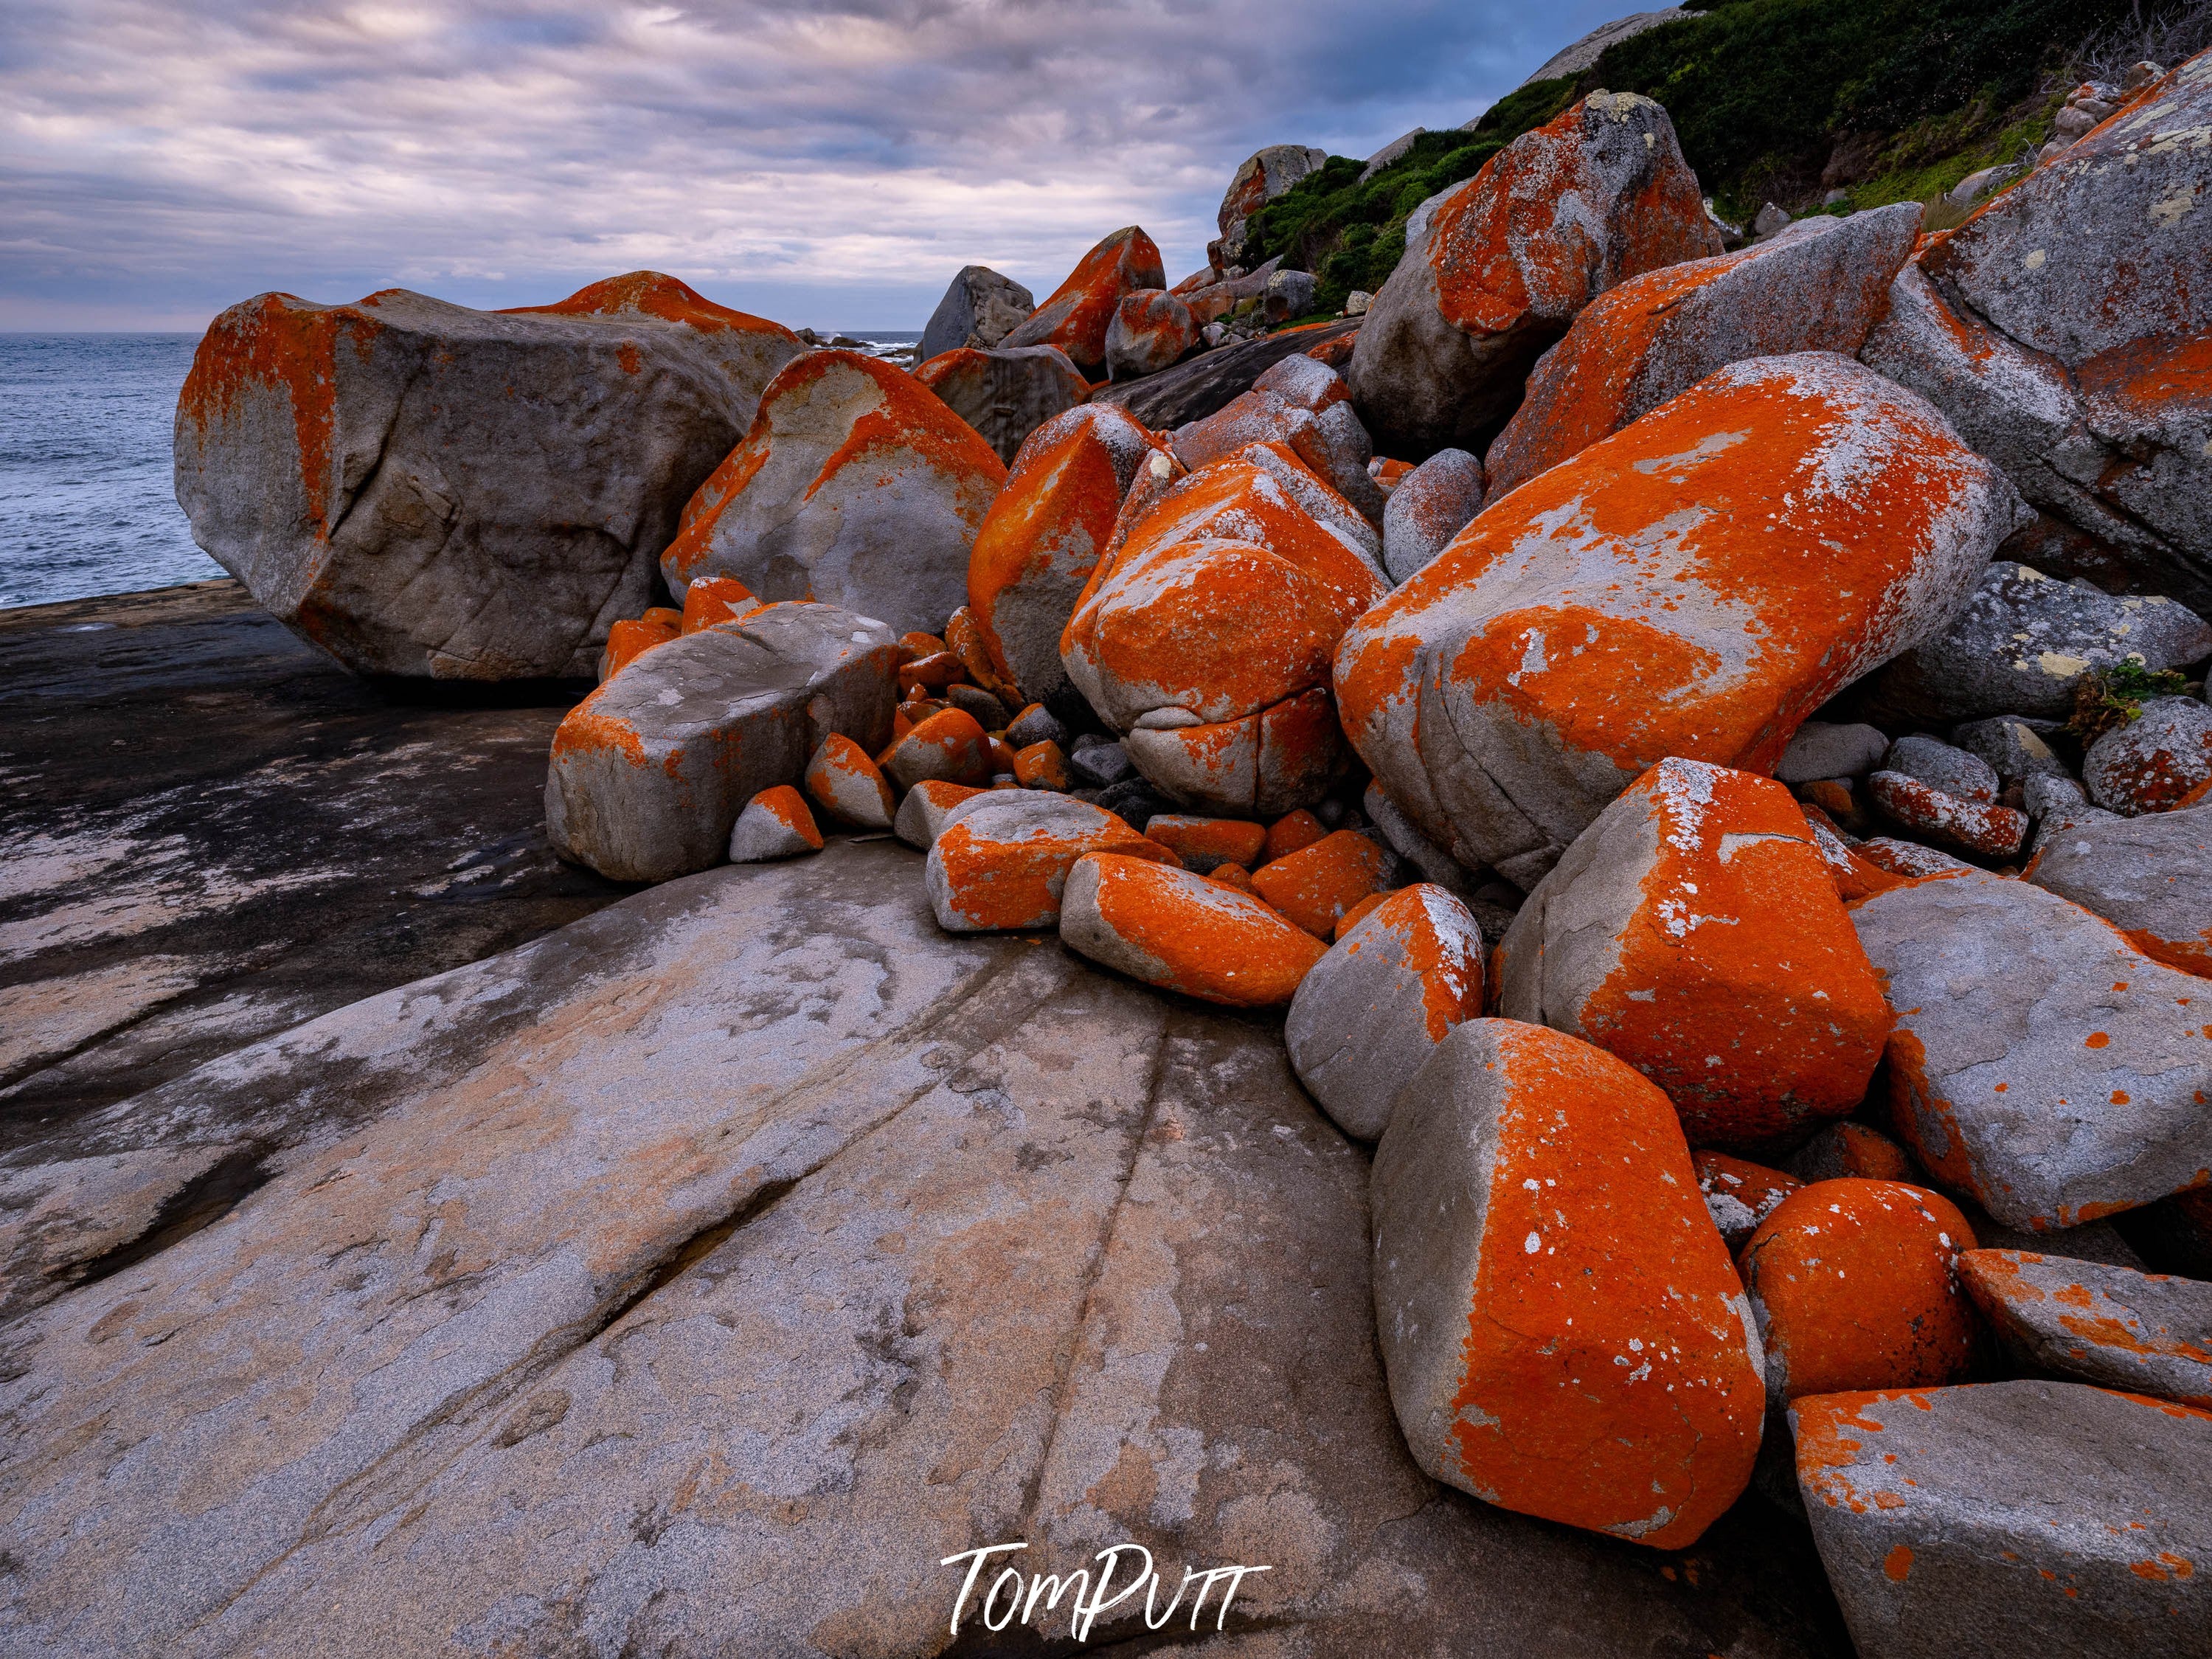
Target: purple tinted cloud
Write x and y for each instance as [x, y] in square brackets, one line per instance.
[831, 163]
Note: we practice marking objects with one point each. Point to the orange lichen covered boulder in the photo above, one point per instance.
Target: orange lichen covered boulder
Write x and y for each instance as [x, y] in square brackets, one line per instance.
[855, 486]
[1077, 313]
[849, 785]
[1208, 640]
[1695, 585]
[1693, 930]
[1183, 932]
[2011, 1518]
[1043, 537]
[776, 823]
[1561, 1328]
[1290, 832]
[1739, 1194]
[1202, 843]
[949, 746]
[1150, 330]
[1316, 884]
[1372, 1010]
[1818, 286]
[1302, 404]
[2041, 1064]
[1560, 214]
[1000, 865]
[1006, 395]
[2097, 1322]
[427, 491]
[2151, 763]
[716, 599]
[649, 773]
[630, 639]
[1041, 766]
[1854, 1285]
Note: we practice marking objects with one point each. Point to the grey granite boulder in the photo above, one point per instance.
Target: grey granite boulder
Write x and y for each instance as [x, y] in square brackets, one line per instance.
[2013, 748]
[979, 308]
[1373, 1009]
[2143, 1332]
[1431, 505]
[2150, 877]
[649, 773]
[2011, 1518]
[1006, 393]
[2041, 1064]
[1940, 766]
[1823, 749]
[427, 491]
[2151, 764]
[2023, 642]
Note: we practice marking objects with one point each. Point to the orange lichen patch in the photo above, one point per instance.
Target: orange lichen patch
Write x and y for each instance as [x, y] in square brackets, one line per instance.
[1605, 1380]
[992, 873]
[1040, 766]
[1076, 315]
[1229, 875]
[1739, 1195]
[289, 346]
[1185, 931]
[649, 294]
[916, 646]
[1831, 1432]
[1202, 843]
[663, 616]
[1290, 832]
[1693, 586]
[1440, 944]
[931, 673]
[1360, 913]
[846, 783]
[1854, 1286]
[1979, 827]
[1897, 1565]
[1853, 1149]
[2103, 1338]
[788, 808]
[1316, 884]
[627, 641]
[964, 639]
[716, 599]
[949, 746]
[585, 730]
[1387, 472]
[1002, 757]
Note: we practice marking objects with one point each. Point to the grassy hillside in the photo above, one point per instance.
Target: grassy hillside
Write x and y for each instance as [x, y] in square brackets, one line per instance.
[1774, 99]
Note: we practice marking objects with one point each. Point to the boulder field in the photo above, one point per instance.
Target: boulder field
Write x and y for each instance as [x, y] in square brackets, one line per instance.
[1529, 948]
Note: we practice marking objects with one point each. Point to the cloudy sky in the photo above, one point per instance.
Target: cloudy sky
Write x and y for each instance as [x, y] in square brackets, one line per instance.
[829, 162]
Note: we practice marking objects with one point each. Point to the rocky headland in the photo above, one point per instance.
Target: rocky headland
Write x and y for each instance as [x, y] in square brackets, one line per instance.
[1528, 951]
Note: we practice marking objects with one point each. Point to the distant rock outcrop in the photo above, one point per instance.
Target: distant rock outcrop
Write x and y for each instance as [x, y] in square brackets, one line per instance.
[980, 309]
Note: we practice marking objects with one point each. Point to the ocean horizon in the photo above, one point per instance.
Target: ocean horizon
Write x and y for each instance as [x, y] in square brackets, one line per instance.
[88, 496]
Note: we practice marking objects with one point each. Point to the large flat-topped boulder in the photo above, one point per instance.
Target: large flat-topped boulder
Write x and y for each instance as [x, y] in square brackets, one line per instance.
[431, 492]
[697, 1277]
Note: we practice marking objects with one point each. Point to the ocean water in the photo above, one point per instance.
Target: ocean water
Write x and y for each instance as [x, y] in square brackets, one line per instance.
[88, 503]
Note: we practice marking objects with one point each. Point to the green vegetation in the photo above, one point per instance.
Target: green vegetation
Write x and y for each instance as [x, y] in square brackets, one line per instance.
[1894, 99]
[2116, 697]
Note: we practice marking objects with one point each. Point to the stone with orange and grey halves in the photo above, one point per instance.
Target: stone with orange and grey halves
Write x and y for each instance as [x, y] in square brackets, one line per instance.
[631, 638]
[1316, 884]
[1854, 1285]
[1044, 536]
[1183, 932]
[1694, 931]
[928, 808]
[855, 486]
[2098, 1322]
[1041, 766]
[2150, 877]
[1818, 286]
[427, 491]
[1006, 395]
[1739, 1193]
[2007, 1518]
[1001, 866]
[1694, 586]
[1207, 641]
[949, 746]
[1849, 1148]
[1562, 1330]
[715, 600]
[2041, 1064]
[1394, 986]
[776, 823]
[847, 785]
[649, 773]
[1201, 843]
[1563, 213]
[1076, 315]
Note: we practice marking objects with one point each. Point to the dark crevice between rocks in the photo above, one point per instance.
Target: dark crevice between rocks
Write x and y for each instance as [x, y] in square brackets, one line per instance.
[198, 1204]
[697, 1247]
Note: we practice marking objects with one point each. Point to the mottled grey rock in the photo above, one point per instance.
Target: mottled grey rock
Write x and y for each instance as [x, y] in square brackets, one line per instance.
[1769, 222]
[1099, 761]
[979, 705]
[1940, 766]
[1290, 296]
[2142, 1332]
[1004, 394]
[1822, 749]
[2018, 1072]
[649, 773]
[2011, 1518]
[2015, 749]
[763, 833]
[2022, 643]
[1431, 505]
[2150, 877]
[2148, 764]
[979, 308]
[1037, 725]
[1372, 1010]
[1435, 864]
[2044, 795]
[427, 491]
